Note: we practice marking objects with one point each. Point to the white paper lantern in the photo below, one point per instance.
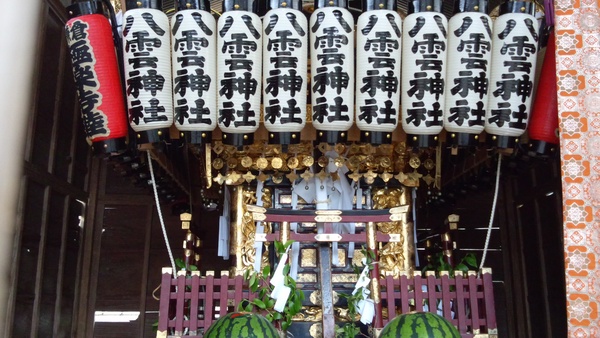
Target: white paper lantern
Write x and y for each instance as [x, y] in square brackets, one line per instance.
[332, 69]
[239, 70]
[378, 57]
[514, 54]
[146, 45]
[285, 53]
[194, 70]
[423, 73]
[468, 68]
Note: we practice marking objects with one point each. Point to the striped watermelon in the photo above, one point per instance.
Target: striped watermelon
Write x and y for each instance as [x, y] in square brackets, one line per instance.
[242, 325]
[419, 325]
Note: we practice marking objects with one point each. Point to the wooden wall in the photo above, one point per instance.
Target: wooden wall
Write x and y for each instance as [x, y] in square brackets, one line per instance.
[48, 240]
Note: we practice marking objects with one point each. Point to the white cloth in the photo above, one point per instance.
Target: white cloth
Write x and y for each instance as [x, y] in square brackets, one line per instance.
[224, 220]
[258, 246]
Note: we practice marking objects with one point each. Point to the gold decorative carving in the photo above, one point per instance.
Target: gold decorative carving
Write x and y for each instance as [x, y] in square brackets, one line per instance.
[315, 314]
[255, 208]
[306, 278]
[396, 255]
[328, 219]
[244, 227]
[344, 278]
[316, 297]
[341, 258]
[328, 212]
[316, 330]
[309, 258]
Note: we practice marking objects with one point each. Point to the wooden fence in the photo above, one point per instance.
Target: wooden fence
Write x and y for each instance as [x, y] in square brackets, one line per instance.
[190, 303]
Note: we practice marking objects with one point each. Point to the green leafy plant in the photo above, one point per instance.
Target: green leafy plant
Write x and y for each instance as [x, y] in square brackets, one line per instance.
[439, 264]
[180, 265]
[350, 329]
[258, 282]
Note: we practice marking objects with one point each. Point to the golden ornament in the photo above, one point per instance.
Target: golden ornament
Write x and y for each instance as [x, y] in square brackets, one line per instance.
[276, 163]
[293, 162]
[262, 163]
[246, 161]
[414, 162]
[308, 161]
[218, 163]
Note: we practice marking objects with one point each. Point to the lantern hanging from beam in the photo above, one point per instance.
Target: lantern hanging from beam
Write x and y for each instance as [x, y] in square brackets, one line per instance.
[423, 72]
[332, 70]
[543, 129]
[239, 70]
[194, 61]
[514, 53]
[285, 53]
[378, 41]
[147, 54]
[468, 67]
[96, 73]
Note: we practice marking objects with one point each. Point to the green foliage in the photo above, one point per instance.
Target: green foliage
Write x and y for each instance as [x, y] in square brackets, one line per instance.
[438, 264]
[351, 330]
[258, 282]
[180, 265]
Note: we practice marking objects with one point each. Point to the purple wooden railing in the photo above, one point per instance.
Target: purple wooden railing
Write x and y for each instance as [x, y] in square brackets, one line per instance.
[190, 303]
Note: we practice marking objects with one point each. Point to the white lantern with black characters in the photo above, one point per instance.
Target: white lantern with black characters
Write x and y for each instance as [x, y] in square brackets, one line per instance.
[193, 30]
[239, 70]
[423, 72]
[332, 70]
[378, 57]
[468, 67]
[285, 53]
[147, 54]
[514, 53]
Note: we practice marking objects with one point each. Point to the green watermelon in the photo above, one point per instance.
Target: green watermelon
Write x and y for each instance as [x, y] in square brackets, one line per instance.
[419, 325]
[242, 325]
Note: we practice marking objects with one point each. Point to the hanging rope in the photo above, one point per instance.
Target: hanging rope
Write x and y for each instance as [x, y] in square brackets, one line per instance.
[160, 216]
[489, 231]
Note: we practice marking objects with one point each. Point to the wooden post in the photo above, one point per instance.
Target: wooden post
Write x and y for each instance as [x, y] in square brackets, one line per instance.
[165, 300]
[371, 231]
[326, 290]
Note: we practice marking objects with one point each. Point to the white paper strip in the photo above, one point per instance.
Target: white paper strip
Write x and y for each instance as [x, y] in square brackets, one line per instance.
[296, 245]
[258, 246]
[224, 219]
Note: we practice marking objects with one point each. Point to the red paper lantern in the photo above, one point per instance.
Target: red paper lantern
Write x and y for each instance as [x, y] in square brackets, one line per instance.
[543, 126]
[96, 73]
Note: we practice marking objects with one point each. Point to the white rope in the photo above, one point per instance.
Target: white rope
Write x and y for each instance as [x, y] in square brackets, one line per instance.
[160, 216]
[489, 232]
